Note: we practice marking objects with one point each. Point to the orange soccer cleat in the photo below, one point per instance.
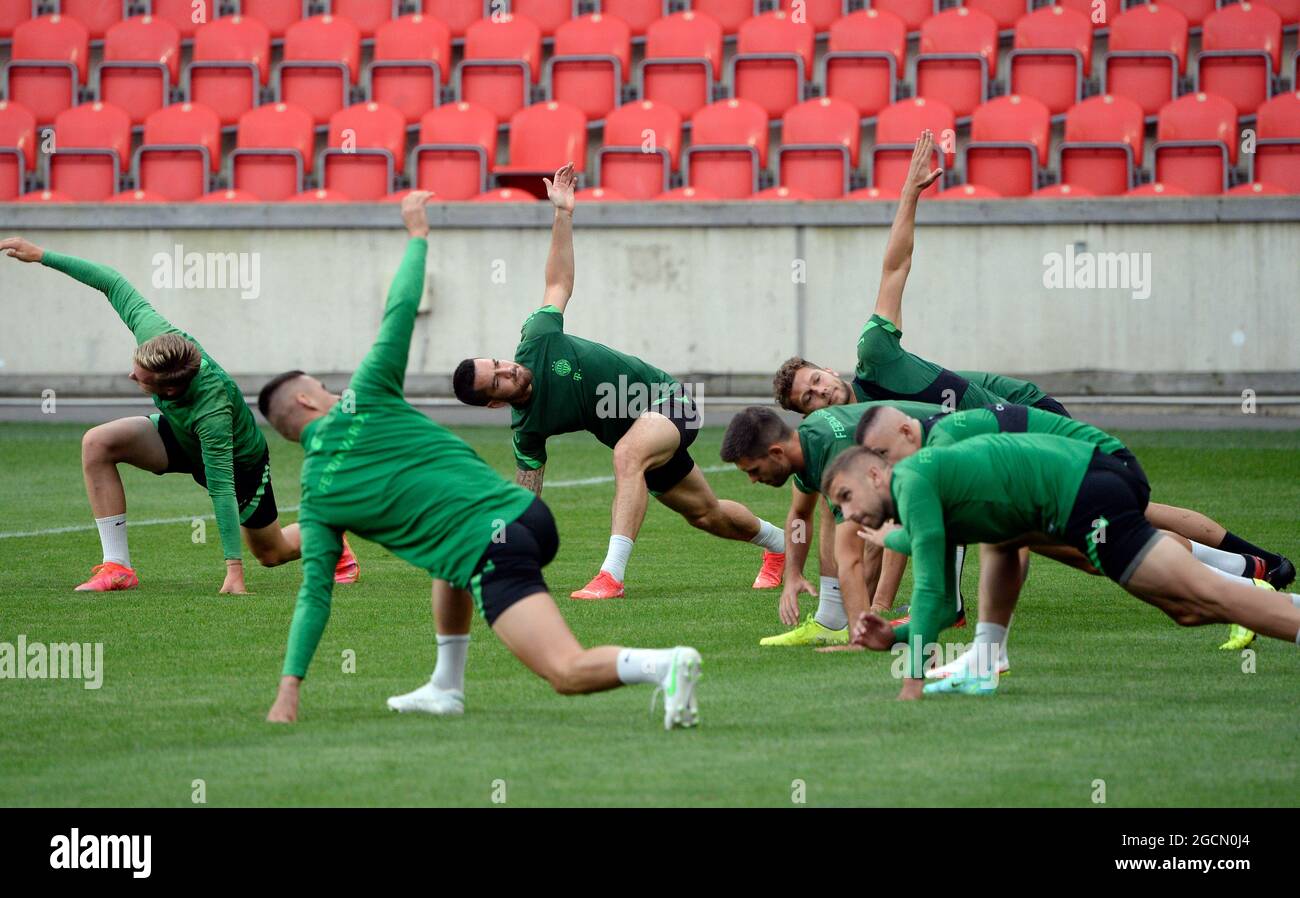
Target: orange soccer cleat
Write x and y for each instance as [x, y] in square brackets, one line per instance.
[347, 571]
[769, 575]
[604, 586]
[109, 576]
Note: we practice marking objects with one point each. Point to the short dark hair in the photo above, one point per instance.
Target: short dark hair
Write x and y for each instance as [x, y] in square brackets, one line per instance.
[751, 432]
[865, 423]
[843, 462]
[462, 384]
[783, 382]
[268, 392]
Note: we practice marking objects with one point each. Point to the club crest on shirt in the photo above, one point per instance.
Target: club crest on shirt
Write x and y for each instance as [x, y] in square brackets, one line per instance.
[562, 367]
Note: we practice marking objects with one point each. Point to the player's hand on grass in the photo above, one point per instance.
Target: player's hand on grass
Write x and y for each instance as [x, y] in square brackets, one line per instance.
[285, 709]
[414, 215]
[873, 632]
[22, 250]
[561, 189]
[919, 175]
[912, 690]
[789, 609]
[876, 536]
[234, 582]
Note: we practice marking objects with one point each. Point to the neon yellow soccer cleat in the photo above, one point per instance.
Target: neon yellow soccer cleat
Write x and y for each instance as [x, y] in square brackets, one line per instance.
[809, 633]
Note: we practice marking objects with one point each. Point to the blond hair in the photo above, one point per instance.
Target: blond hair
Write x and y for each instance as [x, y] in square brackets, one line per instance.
[172, 358]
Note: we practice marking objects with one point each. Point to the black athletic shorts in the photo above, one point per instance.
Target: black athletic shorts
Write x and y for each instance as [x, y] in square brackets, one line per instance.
[1050, 404]
[1130, 461]
[253, 491]
[1108, 523]
[511, 567]
[686, 415]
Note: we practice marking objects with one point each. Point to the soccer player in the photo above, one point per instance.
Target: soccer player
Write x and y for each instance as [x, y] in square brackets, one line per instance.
[895, 434]
[769, 451]
[202, 428]
[558, 383]
[375, 465]
[1009, 489]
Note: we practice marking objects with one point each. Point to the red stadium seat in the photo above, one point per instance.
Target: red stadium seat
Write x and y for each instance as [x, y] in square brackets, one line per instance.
[368, 15]
[187, 16]
[97, 15]
[1052, 58]
[728, 148]
[321, 58]
[1062, 192]
[638, 14]
[457, 15]
[642, 144]
[1101, 17]
[457, 150]
[958, 58]
[45, 196]
[592, 62]
[688, 195]
[502, 59]
[599, 195]
[1241, 52]
[548, 15]
[1259, 188]
[136, 196]
[820, 142]
[1196, 143]
[730, 14]
[92, 149]
[683, 55]
[773, 61]
[142, 60]
[232, 60]
[780, 194]
[1289, 10]
[13, 14]
[872, 194]
[1009, 138]
[1102, 150]
[544, 137]
[396, 196]
[1005, 12]
[1147, 55]
[276, 15]
[181, 151]
[47, 65]
[273, 151]
[897, 128]
[367, 148]
[229, 196]
[1277, 147]
[864, 60]
[968, 192]
[913, 12]
[506, 195]
[820, 14]
[18, 149]
[1158, 189]
[412, 59]
[320, 196]
[1196, 11]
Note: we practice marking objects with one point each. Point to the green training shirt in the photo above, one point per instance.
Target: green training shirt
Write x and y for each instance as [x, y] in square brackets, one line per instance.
[829, 431]
[375, 465]
[577, 385]
[888, 371]
[1008, 418]
[1021, 392]
[210, 420]
[987, 489]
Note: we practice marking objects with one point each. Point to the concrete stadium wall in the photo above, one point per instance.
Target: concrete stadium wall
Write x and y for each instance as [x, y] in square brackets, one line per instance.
[725, 290]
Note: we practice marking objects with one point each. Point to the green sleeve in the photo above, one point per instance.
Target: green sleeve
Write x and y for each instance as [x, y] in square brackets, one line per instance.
[546, 320]
[321, 548]
[131, 307]
[215, 431]
[931, 612]
[880, 342]
[384, 367]
[898, 541]
[530, 450]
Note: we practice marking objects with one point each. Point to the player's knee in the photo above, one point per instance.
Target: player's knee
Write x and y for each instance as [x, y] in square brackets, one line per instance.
[628, 462]
[97, 445]
[268, 556]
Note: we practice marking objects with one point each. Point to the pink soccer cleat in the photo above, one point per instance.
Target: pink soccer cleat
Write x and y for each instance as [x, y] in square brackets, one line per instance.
[109, 576]
[347, 571]
[769, 575]
[604, 586]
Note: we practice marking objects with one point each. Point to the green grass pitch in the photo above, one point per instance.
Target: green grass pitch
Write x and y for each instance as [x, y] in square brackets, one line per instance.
[1102, 687]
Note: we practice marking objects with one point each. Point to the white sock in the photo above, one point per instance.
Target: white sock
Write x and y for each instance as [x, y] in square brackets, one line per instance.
[1228, 562]
[1295, 599]
[112, 538]
[449, 670]
[643, 665]
[769, 537]
[991, 634]
[830, 605]
[620, 550]
[1233, 577]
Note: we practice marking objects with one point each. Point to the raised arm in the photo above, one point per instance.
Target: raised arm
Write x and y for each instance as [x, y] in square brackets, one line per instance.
[131, 307]
[898, 251]
[559, 262]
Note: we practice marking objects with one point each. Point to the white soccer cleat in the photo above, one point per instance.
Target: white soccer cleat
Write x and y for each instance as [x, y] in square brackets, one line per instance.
[965, 665]
[678, 687]
[429, 699]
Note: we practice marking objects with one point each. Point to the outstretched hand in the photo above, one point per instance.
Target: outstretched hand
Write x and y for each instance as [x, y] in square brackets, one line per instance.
[919, 175]
[873, 632]
[560, 190]
[414, 215]
[22, 250]
[875, 536]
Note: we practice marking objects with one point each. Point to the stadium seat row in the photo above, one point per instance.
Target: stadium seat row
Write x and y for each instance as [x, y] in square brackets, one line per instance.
[1197, 149]
[775, 65]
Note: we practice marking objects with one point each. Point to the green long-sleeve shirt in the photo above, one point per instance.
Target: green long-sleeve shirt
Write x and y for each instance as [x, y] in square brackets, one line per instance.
[1009, 418]
[1021, 392]
[375, 465]
[987, 489]
[210, 420]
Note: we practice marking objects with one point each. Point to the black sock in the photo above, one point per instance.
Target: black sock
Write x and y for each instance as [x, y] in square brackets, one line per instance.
[1233, 543]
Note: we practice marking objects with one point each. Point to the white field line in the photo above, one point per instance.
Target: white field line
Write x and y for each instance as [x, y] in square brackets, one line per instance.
[154, 522]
